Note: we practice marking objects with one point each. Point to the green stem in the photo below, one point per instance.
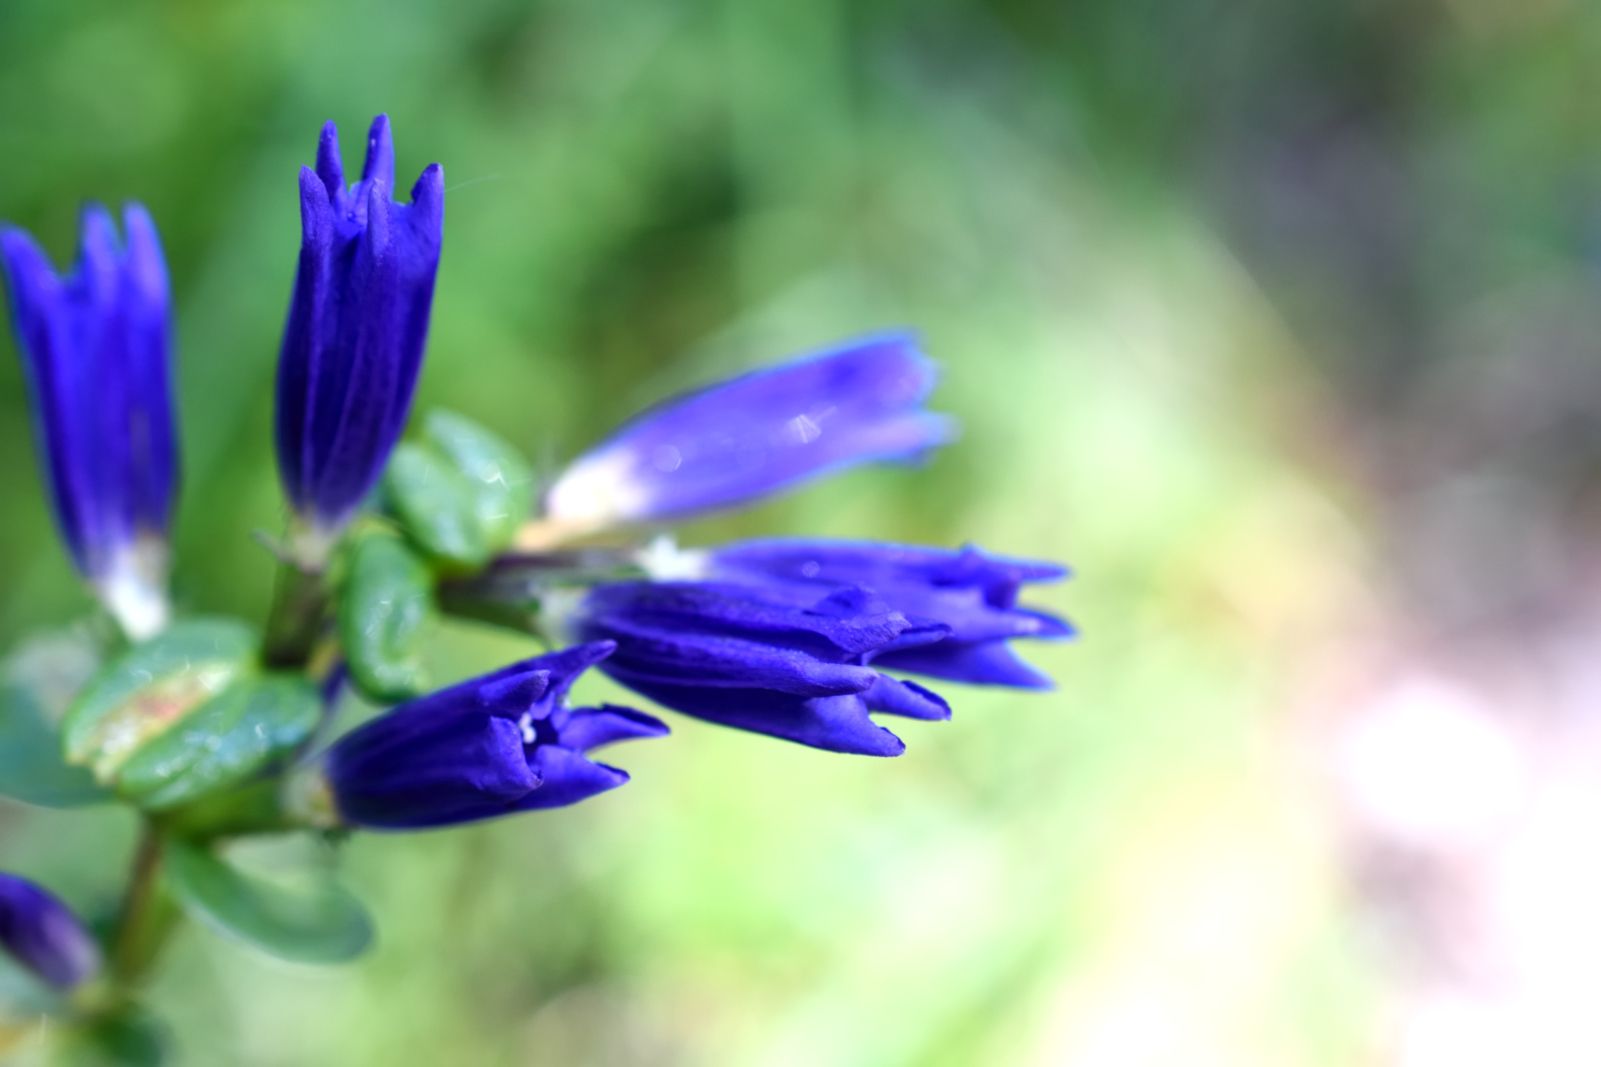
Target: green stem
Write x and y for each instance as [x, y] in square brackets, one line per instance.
[295, 624]
[141, 926]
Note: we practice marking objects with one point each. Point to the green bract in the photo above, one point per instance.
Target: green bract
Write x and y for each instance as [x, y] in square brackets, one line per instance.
[385, 606]
[151, 688]
[460, 491]
[317, 921]
[234, 735]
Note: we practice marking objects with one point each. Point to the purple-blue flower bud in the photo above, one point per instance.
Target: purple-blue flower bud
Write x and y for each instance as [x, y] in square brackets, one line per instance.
[42, 934]
[491, 746]
[97, 346]
[775, 665]
[358, 323]
[756, 434]
[971, 592]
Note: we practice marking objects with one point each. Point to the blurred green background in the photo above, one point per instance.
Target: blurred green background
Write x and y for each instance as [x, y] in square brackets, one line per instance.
[1225, 294]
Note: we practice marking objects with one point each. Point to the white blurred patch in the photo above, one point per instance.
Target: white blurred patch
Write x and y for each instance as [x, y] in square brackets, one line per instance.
[664, 561]
[599, 490]
[134, 590]
[1428, 765]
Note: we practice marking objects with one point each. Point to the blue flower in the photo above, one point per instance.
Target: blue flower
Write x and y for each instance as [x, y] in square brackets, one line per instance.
[731, 654]
[756, 434]
[42, 934]
[491, 746]
[97, 346]
[971, 592]
[358, 321]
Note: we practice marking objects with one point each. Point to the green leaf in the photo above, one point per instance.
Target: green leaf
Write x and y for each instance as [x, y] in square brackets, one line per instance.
[318, 922]
[31, 767]
[222, 743]
[461, 492]
[386, 605]
[151, 687]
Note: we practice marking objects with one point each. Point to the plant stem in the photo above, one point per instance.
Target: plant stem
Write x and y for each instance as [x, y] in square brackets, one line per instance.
[296, 620]
[140, 927]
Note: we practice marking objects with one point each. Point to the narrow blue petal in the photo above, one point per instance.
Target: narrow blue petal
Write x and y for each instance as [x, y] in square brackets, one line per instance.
[586, 729]
[976, 663]
[508, 693]
[330, 169]
[838, 723]
[153, 443]
[568, 778]
[380, 164]
[908, 699]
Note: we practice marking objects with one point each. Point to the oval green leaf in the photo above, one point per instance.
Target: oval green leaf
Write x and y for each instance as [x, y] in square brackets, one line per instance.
[502, 483]
[434, 506]
[386, 605]
[461, 492]
[151, 688]
[224, 742]
[318, 922]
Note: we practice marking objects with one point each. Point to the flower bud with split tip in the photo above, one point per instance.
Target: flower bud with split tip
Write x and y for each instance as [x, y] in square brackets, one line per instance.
[492, 746]
[358, 323]
[971, 591]
[97, 347]
[730, 654]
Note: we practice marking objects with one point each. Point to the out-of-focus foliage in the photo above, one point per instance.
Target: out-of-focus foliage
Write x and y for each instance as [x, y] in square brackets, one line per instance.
[1219, 289]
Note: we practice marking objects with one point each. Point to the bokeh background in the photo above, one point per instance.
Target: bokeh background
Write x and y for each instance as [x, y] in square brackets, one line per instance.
[1278, 322]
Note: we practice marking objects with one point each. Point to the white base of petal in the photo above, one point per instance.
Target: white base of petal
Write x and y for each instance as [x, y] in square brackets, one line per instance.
[135, 590]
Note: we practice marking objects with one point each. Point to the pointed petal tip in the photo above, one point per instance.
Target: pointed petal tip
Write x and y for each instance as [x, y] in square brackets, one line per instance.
[515, 691]
[593, 652]
[638, 723]
[896, 696]
[376, 235]
[429, 188]
[135, 214]
[566, 664]
[93, 212]
[97, 227]
[330, 168]
[98, 247]
[147, 264]
[316, 210]
[1053, 628]
[892, 746]
[380, 162]
[25, 262]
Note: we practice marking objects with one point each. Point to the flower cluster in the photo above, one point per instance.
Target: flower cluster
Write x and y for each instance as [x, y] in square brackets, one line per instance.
[221, 733]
